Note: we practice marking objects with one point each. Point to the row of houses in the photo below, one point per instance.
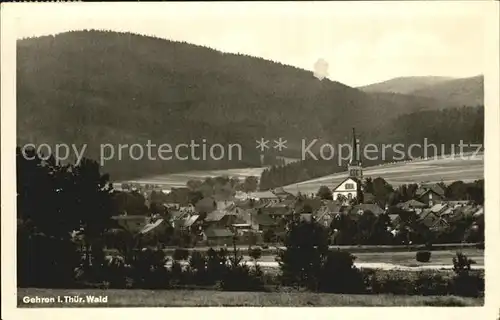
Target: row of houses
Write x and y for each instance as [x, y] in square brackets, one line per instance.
[252, 216]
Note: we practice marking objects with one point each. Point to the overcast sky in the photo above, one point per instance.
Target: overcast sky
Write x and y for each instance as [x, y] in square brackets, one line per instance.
[363, 43]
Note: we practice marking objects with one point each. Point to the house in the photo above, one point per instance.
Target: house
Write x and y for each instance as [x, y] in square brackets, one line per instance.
[277, 210]
[155, 227]
[438, 208]
[262, 222]
[241, 196]
[176, 218]
[282, 194]
[435, 221]
[265, 196]
[351, 187]
[479, 212]
[215, 236]
[132, 223]
[191, 223]
[241, 228]
[327, 212]
[224, 205]
[246, 204]
[412, 205]
[307, 205]
[430, 194]
[365, 207]
[220, 219]
[306, 217]
[347, 190]
[171, 206]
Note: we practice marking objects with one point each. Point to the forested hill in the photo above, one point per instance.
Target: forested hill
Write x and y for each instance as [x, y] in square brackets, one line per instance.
[97, 87]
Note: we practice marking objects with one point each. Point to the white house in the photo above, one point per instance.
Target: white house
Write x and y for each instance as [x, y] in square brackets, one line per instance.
[351, 187]
[348, 189]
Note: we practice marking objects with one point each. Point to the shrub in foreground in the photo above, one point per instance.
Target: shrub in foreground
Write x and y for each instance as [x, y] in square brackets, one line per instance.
[432, 284]
[461, 264]
[255, 253]
[423, 256]
[465, 282]
[148, 269]
[180, 254]
[394, 283]
[44, 261]
[339, 275]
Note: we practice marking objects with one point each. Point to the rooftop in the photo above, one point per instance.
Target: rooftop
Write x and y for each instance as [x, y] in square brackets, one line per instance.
[218, 233]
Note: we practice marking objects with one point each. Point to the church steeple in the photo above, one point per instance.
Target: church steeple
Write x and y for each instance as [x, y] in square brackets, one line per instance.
[354, 167]
[354, 146]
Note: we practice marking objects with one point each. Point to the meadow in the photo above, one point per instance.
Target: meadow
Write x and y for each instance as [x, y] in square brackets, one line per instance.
[445, 170]
[432, 170]
[210, 298]
[438, 258]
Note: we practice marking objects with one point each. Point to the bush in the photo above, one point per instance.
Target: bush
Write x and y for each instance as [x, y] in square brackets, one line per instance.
[240, 278]
[115, 273]
[432, 284]
[423, 256]
[468, 285]
[197, 268]
[148, 269]
[180, 254]
[461, 264]
[306, 249]
[176, 274]
[339, 275]
[255, 253]
[394, 283]
[216, 265]
[45, 261]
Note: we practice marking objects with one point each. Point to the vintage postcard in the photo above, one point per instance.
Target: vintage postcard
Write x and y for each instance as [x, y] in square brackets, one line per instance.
[295, 154]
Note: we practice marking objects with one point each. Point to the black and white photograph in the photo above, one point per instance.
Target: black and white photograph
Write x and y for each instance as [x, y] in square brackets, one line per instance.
[308, 154]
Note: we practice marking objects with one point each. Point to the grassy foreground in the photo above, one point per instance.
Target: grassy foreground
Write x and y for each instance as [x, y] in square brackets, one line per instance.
[206, 298]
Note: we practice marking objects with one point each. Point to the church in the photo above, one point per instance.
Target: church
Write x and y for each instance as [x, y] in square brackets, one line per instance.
[351, 187]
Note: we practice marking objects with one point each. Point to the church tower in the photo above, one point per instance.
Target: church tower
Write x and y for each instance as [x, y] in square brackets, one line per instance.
[354, 167]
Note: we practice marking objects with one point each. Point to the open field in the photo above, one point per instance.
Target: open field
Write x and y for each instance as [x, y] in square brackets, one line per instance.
[440, 260]
[432, 170]
[206, 298]
[398, 260]
[177, 180]
[390, 259]
[272, 249]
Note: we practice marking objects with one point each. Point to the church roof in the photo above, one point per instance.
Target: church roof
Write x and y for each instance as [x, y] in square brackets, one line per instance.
[347, 178]
[355, 160]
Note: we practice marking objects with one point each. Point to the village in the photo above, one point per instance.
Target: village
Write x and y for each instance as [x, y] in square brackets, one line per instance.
[261, 217]
[172, 158]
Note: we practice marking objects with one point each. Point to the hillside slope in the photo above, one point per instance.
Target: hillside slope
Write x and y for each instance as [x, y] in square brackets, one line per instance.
[95, 87]
[463, 92]
[404, 85]
[466, 91]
